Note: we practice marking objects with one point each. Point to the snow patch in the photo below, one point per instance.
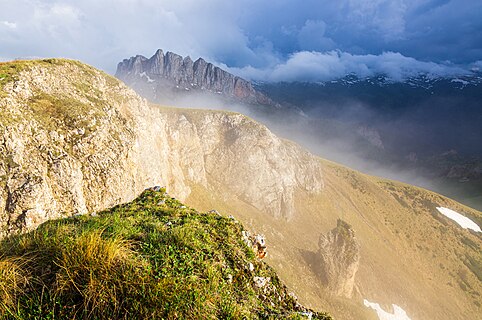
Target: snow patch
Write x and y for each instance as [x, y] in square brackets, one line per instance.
[463, 221]
[460, 81]
[398, 312]
[143, 74]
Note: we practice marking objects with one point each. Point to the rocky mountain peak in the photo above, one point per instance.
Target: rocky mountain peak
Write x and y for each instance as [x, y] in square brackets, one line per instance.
[187, 61]
[157, 62]
[169, 71]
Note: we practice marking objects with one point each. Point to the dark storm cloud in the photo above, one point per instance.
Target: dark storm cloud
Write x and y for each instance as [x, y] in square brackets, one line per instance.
[426, 30]
[253, 37]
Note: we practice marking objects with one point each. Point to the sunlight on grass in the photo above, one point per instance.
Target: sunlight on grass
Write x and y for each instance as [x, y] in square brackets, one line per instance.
[151, 258]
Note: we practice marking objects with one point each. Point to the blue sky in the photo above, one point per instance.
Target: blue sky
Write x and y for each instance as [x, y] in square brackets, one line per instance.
[259, 39]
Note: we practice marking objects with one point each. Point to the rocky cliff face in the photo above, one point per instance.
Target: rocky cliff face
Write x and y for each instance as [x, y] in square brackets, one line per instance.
[74, 140]
[339, 254]
[162, 73]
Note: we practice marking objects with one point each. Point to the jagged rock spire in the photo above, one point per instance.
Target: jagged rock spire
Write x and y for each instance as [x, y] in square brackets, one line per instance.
[339, 258]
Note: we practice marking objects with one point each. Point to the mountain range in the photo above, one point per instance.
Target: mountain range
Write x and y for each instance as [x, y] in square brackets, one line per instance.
[170, 74]
[74, 140]
[406, 130]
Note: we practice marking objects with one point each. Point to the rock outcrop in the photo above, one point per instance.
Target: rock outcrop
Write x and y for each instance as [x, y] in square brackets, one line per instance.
[162, 73]
[257, 242]
[74, 140]
[339, 258]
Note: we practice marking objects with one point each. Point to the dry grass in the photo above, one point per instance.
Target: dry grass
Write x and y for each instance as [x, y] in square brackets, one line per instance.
[13, 280]
[98, 269]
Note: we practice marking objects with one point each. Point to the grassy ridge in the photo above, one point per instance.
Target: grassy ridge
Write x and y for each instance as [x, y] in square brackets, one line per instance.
[151, 258]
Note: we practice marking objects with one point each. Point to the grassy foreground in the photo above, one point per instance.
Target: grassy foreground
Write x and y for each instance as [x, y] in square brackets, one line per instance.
[151, 258]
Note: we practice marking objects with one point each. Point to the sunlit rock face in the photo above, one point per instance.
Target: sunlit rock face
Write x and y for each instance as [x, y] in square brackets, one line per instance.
[74, 140]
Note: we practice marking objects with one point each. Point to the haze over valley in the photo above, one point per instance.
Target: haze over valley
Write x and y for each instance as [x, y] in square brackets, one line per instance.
[422, 130]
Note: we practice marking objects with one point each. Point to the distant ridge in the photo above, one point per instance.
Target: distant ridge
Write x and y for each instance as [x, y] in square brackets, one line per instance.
[167, 72]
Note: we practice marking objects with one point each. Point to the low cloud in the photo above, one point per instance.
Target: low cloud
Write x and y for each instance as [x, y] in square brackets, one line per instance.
[477, 65]
[342, 147]
[312, 66]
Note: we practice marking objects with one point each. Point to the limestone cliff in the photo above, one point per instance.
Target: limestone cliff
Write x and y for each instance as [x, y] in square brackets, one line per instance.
[75, 140]
[162, 74]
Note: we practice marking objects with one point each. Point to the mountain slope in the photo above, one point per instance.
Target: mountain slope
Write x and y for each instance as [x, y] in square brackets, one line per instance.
[75, 140]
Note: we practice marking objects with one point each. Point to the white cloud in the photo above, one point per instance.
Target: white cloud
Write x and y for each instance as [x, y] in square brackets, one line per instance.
[317, 66]
[104, 32]
[8, 24]
[477, 65]
[58, 21]
[312, 36]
